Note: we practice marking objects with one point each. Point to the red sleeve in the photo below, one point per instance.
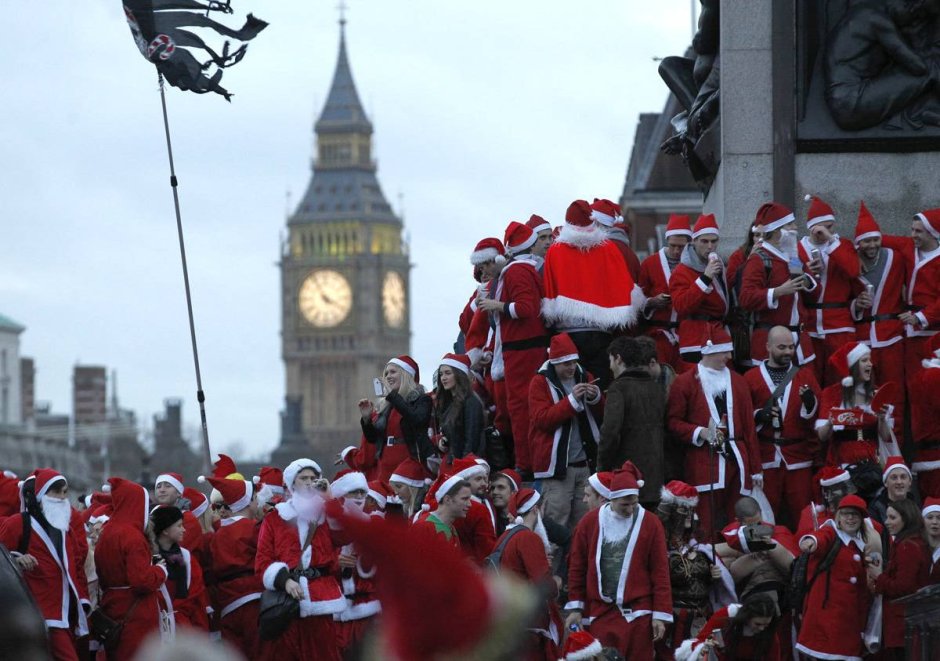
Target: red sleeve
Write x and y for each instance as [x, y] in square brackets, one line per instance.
[646, 279]
[845, 259]
[831, 398]
[142, 576]
[907, 570]
[754, 285]
[677, 412]
[685, 287]
[533, 559]
[195, 603]
[786, 539]
[577, 563]
[479, 329]
[11, 529]
[544, 414]
[266, 553]
[521, 289]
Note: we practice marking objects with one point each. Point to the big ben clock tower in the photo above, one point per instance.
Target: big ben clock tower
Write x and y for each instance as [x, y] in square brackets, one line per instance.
[344, 283]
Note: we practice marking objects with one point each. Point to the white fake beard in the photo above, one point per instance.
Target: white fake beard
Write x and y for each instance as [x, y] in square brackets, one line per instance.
[58, 512]
[788, 243]
[714, 382]
[542, 533]
[616, 528]
[308, 505]
[354, 507]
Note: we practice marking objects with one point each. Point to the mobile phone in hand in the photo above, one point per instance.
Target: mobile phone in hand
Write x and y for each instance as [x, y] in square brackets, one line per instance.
[378, 387]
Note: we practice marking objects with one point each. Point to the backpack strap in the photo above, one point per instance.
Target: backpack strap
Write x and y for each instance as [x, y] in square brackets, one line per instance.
[497, 553]
[27, 533]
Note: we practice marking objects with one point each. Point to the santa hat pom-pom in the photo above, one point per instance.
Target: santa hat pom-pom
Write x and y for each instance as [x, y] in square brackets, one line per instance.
[820, 508]
[425, 507]
[848, 382]
[106, 488]
[256, 479]
[807, 197]
[519, 521]
[9, 474]
[201, 479]
[19, 485]
[733, 609]
[88, 500]
[640, 483]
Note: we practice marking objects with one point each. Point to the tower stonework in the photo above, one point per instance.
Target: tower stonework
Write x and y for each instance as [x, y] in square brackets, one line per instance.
[344, 283]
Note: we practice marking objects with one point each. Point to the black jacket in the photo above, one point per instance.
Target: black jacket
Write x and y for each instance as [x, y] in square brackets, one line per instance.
[465, 434]
[415, 411]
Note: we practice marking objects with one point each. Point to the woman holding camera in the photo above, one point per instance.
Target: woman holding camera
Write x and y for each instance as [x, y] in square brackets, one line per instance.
[906, 571]
[837, 600]
[458, 412]
[737, 631]
[398, 428]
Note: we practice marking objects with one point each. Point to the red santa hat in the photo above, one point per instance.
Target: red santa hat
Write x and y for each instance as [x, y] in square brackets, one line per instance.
[562, 349]
[845, 358]
[866, 227]
[272, 478]
[679, 493]
[518, 238]
[522, 502]
[626, 481]
[469, 466]
[678, 225]
[580, 646]
[515, 480]
[829, 476]
[855, 502]
[237, 494]
[297, 465]
[409, 472]
[198, 503]
[706, 224]
[772, 216]
[931, 220]
[538, 224]
[99, 514]
[380, 492]
[894, 463]
[457, 361]
[225, 467]
[488, 250]
[819, 212]
[44, 478]
[408, 364]
[717, 340]
[579, 215]
[175, 480]
[600, 482]
[931, 505]
[605, 212]
[347, 481]
[130, 502]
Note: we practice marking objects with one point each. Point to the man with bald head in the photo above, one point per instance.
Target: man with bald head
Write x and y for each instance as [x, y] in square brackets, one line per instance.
[785, 398]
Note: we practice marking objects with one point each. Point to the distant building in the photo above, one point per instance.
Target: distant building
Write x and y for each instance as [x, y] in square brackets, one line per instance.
[171, 452]
[657, 184]
[11, 412]
[27, 389]
[89, 394]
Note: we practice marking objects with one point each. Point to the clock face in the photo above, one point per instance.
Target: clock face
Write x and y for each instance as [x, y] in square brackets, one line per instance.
[325, 298]
[393, 300]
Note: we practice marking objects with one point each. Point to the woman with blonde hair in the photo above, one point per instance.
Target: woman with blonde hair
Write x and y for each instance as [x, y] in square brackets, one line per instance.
[398, 427]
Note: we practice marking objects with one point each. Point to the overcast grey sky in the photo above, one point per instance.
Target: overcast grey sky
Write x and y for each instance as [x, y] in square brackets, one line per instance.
[484, 112]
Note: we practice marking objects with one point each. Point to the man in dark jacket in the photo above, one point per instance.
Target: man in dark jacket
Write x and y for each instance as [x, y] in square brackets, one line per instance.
[633, 415]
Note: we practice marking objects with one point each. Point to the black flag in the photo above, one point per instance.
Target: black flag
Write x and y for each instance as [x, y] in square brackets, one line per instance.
[157, 27]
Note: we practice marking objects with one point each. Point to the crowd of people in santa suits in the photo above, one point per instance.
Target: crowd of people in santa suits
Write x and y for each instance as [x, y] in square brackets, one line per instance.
[686, 457]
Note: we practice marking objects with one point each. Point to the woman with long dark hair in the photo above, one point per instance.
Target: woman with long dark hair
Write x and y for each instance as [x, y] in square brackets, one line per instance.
[906, 571]
[738, 631]
[458, 412]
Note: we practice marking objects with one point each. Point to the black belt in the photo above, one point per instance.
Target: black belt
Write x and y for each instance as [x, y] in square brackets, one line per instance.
[231, 577]
[927, 445]
[782, 442]
[531, 343]
[915, 308]
[767, 326]
[310, 573]
[662, 324]
[879, 317]
[578, 464]
[826, 306]
[705, 317]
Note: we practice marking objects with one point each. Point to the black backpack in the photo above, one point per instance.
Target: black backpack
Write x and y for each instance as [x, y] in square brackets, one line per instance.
[493, 559]
[799, 585]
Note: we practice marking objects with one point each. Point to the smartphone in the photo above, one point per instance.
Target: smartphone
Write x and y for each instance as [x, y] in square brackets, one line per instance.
[378, 387]
[815, 254]
[155, 559]
[669, 296]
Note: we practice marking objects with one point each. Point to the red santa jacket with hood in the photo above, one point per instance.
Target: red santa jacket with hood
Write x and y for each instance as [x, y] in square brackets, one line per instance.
[698, 305]
[828, 304]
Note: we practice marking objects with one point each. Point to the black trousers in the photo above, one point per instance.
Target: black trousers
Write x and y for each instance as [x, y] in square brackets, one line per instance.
[592, 352]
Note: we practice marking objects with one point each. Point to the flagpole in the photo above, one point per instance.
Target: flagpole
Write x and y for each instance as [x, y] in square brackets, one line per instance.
[200, 395]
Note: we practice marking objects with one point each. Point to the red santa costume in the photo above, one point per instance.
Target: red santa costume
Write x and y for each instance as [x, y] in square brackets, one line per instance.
[525, 555]
[907, 571]
[746, 644]
[700, 303]
[816, 513]
[235, 590]
[185, 593]
[9, 494]
[357, 583]
[925, 423]
[588, 289]
[295, 537]
[836, 606]
[922, 291]
[129, 583]
[662, 324]
[618, 573]
[788, 444]
[57, 583]
[477, 530]
[608, 214]
[270, 485]
[519, 336]
[700, 400]
[879, 326]
[830, 322]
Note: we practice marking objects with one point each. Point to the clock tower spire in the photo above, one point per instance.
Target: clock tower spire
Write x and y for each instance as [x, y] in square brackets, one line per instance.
[344, 281]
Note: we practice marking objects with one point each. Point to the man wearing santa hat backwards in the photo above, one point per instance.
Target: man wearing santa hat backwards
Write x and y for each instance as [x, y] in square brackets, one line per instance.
[655, 273]
[618, 572]
[235, 590]
[925, 422]
[588, 290]
[835, 265]
[699, 290]
[709, 409]
[519, 335]
[296, 555]
[922, 256]
[51, 555]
